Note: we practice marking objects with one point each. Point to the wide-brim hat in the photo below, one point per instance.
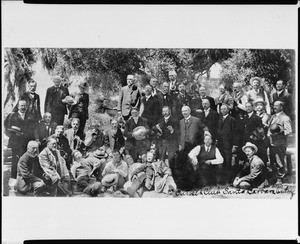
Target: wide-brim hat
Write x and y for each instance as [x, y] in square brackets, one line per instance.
[140, 133]
[261, 81]
[275, 128]
[69, 100]
[249, 144]
[99, 154]
[260, 100]
[14, 129]
[109, 180]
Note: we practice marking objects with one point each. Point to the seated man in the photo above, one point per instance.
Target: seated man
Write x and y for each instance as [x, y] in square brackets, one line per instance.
[29, 171]
[115, 172]
[209, 160]
[73, 135]
[83, 171]
[54, 167]
[114, 137]
[163, 181]
[252, 173]
[94, 140]
[142, 176]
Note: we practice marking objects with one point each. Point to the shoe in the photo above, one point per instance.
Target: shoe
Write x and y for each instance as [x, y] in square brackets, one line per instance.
[278, 182]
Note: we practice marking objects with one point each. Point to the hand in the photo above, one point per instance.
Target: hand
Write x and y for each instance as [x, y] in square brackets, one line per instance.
[194, 161]
[234, 149]
[170, 128]
[208, 162]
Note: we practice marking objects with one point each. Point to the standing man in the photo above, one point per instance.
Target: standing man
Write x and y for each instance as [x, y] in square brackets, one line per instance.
[210, 118]
[53, 101]
[136, 132]
[282, 95]
[164, 97]
[203, 95]
[129, 97]
[30, 172]
[238, 108]
[43, 130]
[180, 99]
[150, 107]
[16, 128]
[223, 98]
[153, 83]
[227, 138]
[173, 82]
[167, 130]
[33, 106]
[280, 127]
[191, 130]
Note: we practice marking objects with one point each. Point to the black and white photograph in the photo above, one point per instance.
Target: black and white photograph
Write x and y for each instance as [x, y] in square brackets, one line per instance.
[124, 122]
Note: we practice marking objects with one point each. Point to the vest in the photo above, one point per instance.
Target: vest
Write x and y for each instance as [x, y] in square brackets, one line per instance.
[203, 155]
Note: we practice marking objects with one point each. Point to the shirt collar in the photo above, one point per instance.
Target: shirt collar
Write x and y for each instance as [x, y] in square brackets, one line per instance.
[22, 114]
[250, 114]
[188, 118]
[225, 116]
[167, 118]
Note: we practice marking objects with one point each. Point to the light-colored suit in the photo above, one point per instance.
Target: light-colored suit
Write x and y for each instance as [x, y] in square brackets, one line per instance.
[283, 121]
[128, 97]
[69, 134]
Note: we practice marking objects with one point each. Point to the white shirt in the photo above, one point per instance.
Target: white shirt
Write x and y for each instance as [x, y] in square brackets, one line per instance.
[206, 112]
[188, 118]
[167, 118]
[225, 116]
[147, 97]
[195, 152]
[250, 114]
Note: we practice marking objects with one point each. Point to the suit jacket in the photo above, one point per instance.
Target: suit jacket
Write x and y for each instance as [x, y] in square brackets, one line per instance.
[179, 102]
[128, 98]
[223, 98]
[211, 121]
[53, 164]
[17, 141]
[33, 107]
[285, 124]
[40, 131]
[286, 98]
[252, 171]
[250, 125]
[151, 110]
[115, 141]
[53, 103]
[74, 144]
[227, 134]
[165, 100]
[166, 134]
[195, 129]
[81, 98]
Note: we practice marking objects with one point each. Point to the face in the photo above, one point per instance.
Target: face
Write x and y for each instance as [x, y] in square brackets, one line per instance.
[277, 107]
[33, 150]
[114, 124]
[224, 110]
[32, 87]
[22, 106]
[52, 144]
[181, 88]
[148, 90]
[207, 141]
[249, 107]
[129, 159]
[249, 152]
[235, 87]
[75, 124]
[57, 82]
[279, 85]
[205, 104]
[130, 80]
[166, 112]
[185, 112]
[153, 83]
[134, 113]
[58, 132]
[202, 91]
[47, 118]
[77, 155]
[149, 157]
[165, 87]
[172, 77]
[255, 84]
[116, 156]
[222, 89]
[259, 107]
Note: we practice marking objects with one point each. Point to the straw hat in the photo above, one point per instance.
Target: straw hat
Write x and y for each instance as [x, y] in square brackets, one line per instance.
[249, 144]
[100, 154]
[261, 81]
[140, 132]
[109, 180]
[260, 100]
[69, 100]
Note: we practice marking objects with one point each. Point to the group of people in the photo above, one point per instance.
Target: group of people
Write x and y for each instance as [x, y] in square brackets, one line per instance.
[237, 138]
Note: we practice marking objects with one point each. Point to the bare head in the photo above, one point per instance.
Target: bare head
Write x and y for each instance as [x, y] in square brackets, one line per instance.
[33, 148]
[22, 106]
[75, 123]
[130, 80]
[148, 90]
[205, 104]
[165, 87]
[32, 86]
[186, 111]
[47, 117]
[224, 109]
[278, 106]
[202, 91]
[236, 87]
[280, 85]
[57, 80]
[153, 82]
[166, 111]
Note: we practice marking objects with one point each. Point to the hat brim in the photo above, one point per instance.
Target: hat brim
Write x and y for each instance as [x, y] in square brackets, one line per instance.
[109, 180]
[100, 156]
[253, 147]
[256, 102]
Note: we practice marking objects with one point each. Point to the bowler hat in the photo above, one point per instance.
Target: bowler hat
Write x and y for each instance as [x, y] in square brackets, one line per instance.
[109, 180]
[249, 144]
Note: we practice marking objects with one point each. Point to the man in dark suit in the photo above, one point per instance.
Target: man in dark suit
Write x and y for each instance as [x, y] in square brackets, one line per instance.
[191, 130]
[16, 128]
[167, 131]
[180, 100]
[137, 142]
[53, 101]
[129, 97]
[227, 140]
[153, 83]
[33, 106]
[150, 107]
[74, 137]
[282, 95]
[210, 118]
[173, 82]
[164, 97]
[203, 95]
[43, 130]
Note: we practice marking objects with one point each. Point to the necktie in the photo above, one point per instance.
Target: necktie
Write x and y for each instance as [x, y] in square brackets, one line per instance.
[48, 131]
[207, 150]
